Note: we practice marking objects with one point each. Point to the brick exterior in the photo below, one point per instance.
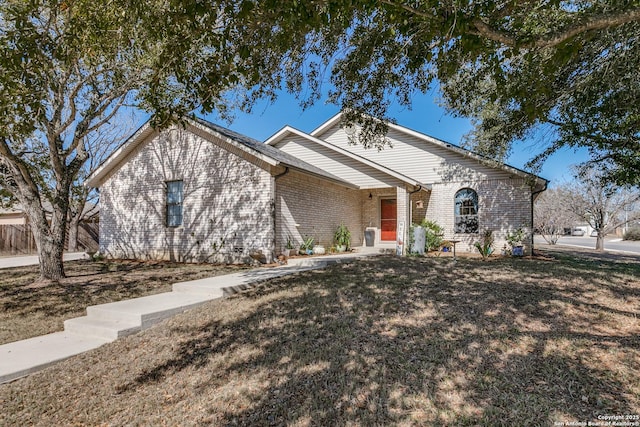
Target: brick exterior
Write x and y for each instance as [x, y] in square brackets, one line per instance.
[419, 213]
[308, 206]
[235, 204]
[504, 206]
[228, 209]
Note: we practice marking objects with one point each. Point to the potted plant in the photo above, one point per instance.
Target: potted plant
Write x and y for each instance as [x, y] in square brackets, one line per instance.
[289, 248]
[306, 248]
[515, 239]
[342, 237]
[319, 249]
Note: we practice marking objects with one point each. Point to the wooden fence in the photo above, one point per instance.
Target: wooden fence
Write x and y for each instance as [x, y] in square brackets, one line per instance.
[18, 239]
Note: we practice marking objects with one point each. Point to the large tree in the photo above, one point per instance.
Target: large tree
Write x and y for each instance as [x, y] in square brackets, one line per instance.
[603, 205]
[67, 68]
[516, 67]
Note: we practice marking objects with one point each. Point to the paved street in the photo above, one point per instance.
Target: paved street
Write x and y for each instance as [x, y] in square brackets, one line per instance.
[611, 243]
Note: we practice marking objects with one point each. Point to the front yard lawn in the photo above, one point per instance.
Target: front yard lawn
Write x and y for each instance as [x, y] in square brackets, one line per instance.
[29, 310]
[385, 341]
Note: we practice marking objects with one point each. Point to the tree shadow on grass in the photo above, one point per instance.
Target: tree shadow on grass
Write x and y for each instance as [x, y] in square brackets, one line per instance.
[27, 311]
[409, 341]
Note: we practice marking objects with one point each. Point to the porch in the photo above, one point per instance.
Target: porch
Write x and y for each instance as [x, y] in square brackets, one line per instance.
[389, 211]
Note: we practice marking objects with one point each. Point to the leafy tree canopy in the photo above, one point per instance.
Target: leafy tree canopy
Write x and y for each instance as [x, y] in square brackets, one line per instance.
[68, 65]
[568, 68]
[67, 68]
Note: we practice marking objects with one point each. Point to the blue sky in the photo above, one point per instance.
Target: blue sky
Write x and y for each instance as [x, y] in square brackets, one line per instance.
[425, 116]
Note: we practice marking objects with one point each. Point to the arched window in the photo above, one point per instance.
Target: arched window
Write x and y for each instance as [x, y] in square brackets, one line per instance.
[466, 211]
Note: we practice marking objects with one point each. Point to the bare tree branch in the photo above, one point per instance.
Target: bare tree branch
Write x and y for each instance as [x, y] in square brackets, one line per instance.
[597, 23]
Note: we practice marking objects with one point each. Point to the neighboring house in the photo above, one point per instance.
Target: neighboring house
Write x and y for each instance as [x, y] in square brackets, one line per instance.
[204, 193]
[12, 216]
[16, 236]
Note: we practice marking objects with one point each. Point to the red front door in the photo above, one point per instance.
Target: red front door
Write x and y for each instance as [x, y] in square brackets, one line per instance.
[388, 219]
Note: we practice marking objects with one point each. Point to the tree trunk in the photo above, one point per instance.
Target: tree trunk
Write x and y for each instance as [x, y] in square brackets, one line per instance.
[49, 236]
[50, 255]
[600, 242]
[76, 208]
[74, 223]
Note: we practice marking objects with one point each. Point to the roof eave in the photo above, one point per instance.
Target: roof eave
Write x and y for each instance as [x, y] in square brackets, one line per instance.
[326, 125]
[288, 130]
[467, 153]
[278, 136]
[94, 179]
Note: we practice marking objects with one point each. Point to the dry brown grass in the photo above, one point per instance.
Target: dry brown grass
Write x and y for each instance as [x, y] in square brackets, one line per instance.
[379, 342]
[28, 310]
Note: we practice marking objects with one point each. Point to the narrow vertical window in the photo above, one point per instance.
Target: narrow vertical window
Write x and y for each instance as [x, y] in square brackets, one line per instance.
[466, 211]
[174, 203]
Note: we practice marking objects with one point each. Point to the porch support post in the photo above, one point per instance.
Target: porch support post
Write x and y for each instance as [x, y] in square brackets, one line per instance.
[402, 197]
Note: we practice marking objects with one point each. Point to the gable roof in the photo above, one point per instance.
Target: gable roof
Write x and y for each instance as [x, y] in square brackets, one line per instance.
[266, 153]
[288, 130]
[542, 182]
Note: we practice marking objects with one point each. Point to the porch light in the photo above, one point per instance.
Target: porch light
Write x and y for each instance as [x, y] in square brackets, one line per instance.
[370, 195]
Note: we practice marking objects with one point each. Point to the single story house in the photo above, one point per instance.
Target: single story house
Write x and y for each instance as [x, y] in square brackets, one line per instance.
[200, 192]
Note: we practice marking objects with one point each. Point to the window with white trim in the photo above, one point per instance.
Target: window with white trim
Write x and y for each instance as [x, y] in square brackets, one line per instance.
[174, 199]
[466, 211]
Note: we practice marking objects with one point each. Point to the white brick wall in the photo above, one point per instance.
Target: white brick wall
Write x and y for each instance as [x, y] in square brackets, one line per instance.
[228, 209]
[308, 206]
[504, 206]
[233, 206]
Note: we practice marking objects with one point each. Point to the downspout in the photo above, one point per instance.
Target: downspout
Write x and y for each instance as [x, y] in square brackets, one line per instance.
[533, 194]
[286, 171]
[273, 211]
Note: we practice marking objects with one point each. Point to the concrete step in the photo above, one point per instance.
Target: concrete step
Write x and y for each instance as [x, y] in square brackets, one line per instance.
[206, 287]
[20, 358]
[148, 310]
[106, 329]
[238, 282]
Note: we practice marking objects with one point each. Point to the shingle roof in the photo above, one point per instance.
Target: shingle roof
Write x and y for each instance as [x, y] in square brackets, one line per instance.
[272, 152]
[248, 144]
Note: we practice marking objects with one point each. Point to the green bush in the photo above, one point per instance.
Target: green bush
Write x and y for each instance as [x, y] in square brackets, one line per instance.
[434, 233]
[632, 234]
[485, 245]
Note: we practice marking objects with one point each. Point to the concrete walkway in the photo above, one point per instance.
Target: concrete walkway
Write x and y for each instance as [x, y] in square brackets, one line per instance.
[22, 260]
[107, 322]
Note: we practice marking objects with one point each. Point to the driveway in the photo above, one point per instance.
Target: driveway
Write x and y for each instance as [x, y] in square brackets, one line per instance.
[611, 244]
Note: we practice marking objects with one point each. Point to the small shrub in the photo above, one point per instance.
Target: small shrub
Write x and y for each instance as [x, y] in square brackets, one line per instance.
[632, 234]
[516, 238]
[289, 244]
[485, 245]
[434, 233]
[342, 236]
